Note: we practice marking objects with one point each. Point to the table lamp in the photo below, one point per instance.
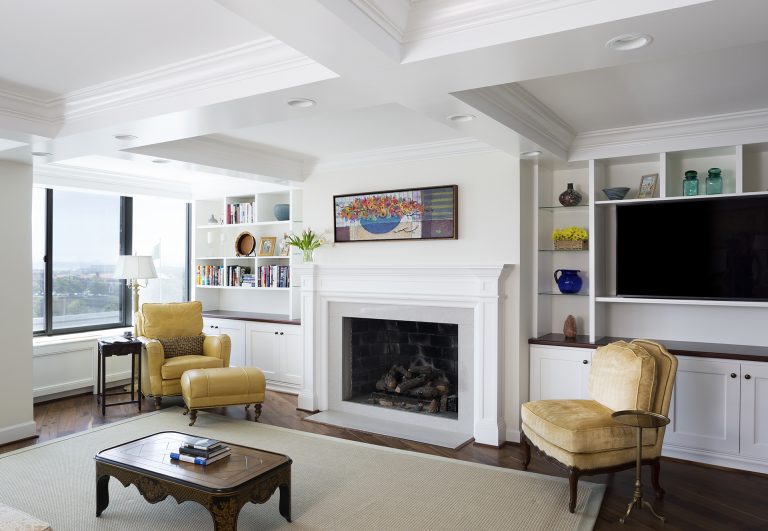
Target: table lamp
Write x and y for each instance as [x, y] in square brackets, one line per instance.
[135, 268]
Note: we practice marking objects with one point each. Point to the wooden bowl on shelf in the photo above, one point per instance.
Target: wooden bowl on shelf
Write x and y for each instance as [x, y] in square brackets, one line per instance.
[245, 244]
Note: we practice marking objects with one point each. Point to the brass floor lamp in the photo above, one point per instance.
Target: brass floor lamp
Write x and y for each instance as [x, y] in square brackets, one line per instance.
[135, 268]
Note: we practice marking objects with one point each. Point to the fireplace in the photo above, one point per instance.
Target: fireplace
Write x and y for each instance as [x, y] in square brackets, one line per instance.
[407, 365]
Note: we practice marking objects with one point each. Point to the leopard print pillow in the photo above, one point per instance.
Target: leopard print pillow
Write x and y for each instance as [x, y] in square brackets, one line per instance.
[182, 346]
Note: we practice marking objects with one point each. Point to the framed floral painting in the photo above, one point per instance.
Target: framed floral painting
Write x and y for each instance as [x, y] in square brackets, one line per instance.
[411, 214]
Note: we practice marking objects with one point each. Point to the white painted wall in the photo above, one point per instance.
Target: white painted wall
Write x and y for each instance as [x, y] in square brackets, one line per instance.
[16, 418]
[489, 234]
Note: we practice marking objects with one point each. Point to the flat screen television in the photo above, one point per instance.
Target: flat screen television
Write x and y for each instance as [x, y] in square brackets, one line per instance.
[713, 248]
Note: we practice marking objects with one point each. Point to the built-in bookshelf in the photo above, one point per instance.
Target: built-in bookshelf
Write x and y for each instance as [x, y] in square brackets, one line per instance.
[228, 278]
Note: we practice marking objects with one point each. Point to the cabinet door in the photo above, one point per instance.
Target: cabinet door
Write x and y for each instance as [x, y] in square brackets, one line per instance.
[263, 346]
[559, 372]
[704, 410]
[754, 410]
[291, 358]
[236, 332]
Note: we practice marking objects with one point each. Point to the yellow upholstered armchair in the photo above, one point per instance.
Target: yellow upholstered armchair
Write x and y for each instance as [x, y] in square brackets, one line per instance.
[581, 436]
[174, 342]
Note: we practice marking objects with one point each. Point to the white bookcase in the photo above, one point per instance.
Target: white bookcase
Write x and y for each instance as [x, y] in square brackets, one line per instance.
[214, 245]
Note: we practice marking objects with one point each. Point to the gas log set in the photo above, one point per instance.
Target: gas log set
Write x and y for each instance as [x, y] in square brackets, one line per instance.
[419, 388]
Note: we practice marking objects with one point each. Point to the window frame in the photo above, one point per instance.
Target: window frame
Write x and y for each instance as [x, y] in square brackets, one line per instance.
[126, 247]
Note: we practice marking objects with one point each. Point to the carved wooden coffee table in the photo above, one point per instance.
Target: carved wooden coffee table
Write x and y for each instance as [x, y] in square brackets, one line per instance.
[223, 487]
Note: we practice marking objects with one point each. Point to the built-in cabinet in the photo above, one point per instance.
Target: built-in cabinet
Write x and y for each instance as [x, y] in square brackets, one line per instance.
[277, 350]
[718, 409]
[236, 331]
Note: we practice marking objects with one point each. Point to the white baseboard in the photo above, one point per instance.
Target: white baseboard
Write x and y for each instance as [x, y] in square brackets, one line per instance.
[513, 436]
[712, 458]
[282, 388]
[17, 432]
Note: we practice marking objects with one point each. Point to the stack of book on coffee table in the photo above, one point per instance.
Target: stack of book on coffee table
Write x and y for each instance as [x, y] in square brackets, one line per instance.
[202, 451]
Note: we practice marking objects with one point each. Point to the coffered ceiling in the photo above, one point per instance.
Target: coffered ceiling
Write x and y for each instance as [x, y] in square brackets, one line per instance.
[205, 83]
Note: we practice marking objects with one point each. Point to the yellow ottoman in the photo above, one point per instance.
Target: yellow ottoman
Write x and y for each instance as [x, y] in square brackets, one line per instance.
[228, 386]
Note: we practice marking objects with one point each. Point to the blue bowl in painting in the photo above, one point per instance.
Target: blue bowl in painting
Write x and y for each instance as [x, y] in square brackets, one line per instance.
[380, 225]
[616, 193]
[282, 211]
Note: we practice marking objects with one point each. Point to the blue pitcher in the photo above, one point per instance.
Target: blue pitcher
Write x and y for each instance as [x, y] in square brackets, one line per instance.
[568, 280]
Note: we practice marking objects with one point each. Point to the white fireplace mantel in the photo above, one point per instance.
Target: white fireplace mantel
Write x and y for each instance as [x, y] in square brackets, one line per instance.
[479, 288]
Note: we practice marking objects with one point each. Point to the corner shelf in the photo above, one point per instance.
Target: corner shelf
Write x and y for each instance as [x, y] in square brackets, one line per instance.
[243, 225]
[558, 294]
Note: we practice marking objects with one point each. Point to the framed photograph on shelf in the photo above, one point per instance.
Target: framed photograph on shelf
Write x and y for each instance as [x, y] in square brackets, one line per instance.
[267, 246]
[428, 213]
[285, 247]
[648, 185]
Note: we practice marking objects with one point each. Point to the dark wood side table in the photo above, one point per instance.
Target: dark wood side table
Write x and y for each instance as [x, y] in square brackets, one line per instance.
[639, 419]
[118, 346]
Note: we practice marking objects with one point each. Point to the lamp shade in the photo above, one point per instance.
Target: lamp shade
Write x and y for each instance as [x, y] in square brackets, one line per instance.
[135, 267]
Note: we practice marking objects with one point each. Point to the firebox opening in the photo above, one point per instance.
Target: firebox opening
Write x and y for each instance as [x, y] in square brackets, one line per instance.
[405, 365]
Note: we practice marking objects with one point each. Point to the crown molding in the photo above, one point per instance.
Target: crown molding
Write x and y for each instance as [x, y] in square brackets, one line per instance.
[29, 113]
[702, 132]
[516, 108]
[106, 181]
[414, 152]
[390, 15]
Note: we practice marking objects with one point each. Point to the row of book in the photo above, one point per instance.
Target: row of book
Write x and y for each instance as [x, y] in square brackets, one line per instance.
[241, 213]
[269, 276]
[202, 452]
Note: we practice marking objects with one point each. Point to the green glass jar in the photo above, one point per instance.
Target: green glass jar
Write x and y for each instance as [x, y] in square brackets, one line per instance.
[691, 183]
[714, 181]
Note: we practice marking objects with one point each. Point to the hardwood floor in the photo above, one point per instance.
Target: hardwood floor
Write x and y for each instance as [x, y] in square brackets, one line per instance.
[698, 497]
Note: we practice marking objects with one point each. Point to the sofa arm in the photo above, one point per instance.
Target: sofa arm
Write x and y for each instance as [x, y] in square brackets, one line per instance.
[152, 359]
[218, 347]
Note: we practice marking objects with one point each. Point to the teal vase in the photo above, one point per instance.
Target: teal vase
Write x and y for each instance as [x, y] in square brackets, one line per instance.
[691, 183]
[714, 181]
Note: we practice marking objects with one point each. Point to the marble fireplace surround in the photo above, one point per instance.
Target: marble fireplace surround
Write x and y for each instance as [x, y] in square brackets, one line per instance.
[468, 295]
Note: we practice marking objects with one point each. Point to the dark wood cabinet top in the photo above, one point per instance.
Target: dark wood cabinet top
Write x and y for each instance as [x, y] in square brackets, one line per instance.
[152, 454]
[678, 348]
[251, 316]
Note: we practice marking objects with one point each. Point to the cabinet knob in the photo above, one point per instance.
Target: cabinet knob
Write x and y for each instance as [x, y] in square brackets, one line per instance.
[585, 362]
[733, 375]
[747, 377]
[275, 333]
[281, 333]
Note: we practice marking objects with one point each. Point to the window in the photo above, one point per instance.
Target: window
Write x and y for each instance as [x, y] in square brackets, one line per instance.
[74, 288]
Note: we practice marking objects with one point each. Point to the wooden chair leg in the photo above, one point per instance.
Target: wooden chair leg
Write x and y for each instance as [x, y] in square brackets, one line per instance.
[192, 416]
[158, 402]
[526, 451]
[655, 470]
[573, 481]
[256, 412]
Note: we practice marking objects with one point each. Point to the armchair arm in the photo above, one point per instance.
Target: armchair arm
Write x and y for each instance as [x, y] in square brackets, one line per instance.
[152, 358]
[218, 347]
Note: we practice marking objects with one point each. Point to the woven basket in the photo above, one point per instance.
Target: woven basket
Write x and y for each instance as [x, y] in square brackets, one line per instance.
[570, 245]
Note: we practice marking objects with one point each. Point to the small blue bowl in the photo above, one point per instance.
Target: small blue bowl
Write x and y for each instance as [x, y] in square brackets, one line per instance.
[616, 193]
[282, 211]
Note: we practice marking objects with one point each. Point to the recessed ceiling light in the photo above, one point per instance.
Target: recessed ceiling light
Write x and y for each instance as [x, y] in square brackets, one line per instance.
[160, 161]
[629, 41]
[461, 117]
[126, 137]
[534, 153]
[41, 154]
[301, 102]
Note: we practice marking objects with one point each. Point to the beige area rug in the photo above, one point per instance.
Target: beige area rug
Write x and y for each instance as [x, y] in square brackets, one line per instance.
[336, 484]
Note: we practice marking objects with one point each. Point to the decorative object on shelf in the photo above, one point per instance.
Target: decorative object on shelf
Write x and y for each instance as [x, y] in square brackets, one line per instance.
[212, 220]
[570, 197]
[282, 211]
[616, 193]
[648, 186]
[285, 247]
[307, 242]
[267, 245]
[417, 213]
[245, 244]
[691, 183]
[135, 268]
[714, 181]
[570, 239]
[569, 328]
[568, 280]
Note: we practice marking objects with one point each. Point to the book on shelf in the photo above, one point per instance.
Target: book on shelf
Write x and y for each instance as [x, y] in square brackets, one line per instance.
[199, 460]
[274, 276]
[241, 213]
[196, 452]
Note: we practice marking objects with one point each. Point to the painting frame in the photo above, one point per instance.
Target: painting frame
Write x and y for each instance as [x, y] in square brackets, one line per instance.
[648, 184]
[267, 245]
[417, 213]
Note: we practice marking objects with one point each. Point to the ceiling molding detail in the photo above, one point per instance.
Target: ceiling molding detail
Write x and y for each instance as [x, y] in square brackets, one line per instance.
[435, 18]
[516, 108]
[251, 60]
[116, 182]
[245, 161]
[390, 15]
[702, 132]
[23, 109]
[429, 150]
